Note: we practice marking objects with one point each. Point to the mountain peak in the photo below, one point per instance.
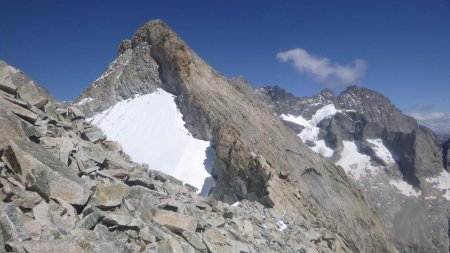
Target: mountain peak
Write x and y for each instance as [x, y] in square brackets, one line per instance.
[155, 32]
[275, 92]
[327, 94]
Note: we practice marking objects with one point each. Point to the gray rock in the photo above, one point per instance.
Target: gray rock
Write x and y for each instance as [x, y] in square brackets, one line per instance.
[54, 219]
[19, 102]
[214, 219]
[19, 110]
[90, 220]
[193, 239]
[12, 227]
[120, 220]
[175, 222]
[108, 195]
[113, 146]
[142, 180]
[7, 85]
[19, 197]
[10, 128]
[75, 113]
[45, 174]
[93, 134]
[30, 93]
[89, 151]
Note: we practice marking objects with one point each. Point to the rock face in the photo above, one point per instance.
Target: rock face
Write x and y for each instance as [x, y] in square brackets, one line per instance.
[387, 154]
[446, 154]
[256, 156]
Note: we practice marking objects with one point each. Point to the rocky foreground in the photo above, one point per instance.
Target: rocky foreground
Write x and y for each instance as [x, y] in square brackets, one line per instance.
[64, 187]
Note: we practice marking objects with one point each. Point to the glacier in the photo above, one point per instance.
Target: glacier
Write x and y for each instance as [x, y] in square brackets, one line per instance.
[151, 130]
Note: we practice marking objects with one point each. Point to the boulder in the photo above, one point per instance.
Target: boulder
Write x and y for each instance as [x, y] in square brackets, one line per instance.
[91, 219]
[11, 226]
[89, 151]
[6, 83]
[19, 102]
[141, 201]
[41, 172]
[30, 93]
[120, 220]
[142, 180]
[214, 219]
[193, 239]
[175, 222]
[75, 113]
[66, 147]
[19, 110]
[93, 134]
[54, 219]
[19, 197]
[8, 86]
[10, 127]
[108, 195]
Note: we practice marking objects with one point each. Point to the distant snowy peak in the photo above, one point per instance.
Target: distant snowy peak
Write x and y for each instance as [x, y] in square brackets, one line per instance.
[151, 130]
[360, 130]
[310, 133]
[285, 102]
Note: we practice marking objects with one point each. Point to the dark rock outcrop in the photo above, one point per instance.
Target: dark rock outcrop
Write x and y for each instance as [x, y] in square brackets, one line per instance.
[446, 154]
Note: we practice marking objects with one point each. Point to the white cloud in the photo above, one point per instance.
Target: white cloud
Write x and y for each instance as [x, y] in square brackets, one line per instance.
[428, 116]
[323, 69]
[437, 121]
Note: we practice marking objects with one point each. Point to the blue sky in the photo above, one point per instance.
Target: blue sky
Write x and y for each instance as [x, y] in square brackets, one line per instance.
[400, 48]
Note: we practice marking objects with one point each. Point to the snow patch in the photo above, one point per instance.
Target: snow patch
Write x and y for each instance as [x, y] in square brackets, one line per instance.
[151, 130]
[281, 225]
[84, 101]
[354, 163]
[236, 204]
[405, 188]
[442, 182]
[381, 151]
[311, 132]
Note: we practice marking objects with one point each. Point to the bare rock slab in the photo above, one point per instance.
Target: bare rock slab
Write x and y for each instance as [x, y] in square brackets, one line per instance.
[49, 246]
[43, 173]
[19, 110]
[175, 222]
[10, 127]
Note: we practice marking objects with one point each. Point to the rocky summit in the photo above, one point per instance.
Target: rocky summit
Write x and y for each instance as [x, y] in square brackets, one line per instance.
[162, 153]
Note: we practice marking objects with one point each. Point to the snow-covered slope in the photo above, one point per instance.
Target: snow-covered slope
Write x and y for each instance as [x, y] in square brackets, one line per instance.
[151, 130]
[311, 131]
